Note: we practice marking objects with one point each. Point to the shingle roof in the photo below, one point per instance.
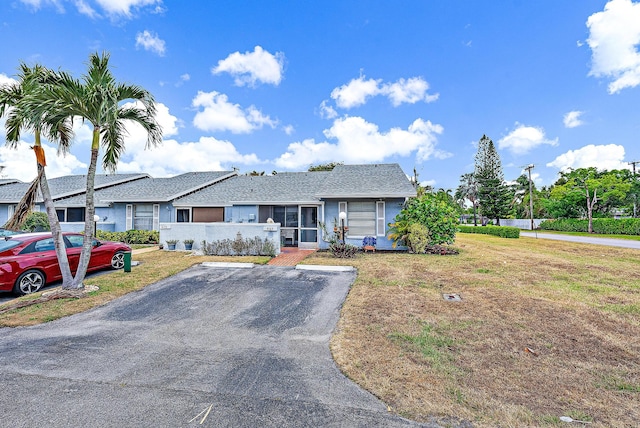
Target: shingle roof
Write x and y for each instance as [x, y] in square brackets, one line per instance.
[151, 189]
[4, 181]
[367, 181]
[282, 188]
[66, 186]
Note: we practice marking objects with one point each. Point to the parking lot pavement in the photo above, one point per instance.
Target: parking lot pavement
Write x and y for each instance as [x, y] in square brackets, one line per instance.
[210, 347]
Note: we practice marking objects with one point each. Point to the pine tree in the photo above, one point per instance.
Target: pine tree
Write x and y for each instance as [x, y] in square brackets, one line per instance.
[493, 194]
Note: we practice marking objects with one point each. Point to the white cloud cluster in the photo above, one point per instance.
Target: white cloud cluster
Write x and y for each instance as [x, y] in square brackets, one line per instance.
[112, 8]
[218, 114]
[572, 119]
[150, 42]
[614, 37]
[358, 91]
[610, 156]
[20, 163]
[358, 141]
[524, 138]
[251, 68]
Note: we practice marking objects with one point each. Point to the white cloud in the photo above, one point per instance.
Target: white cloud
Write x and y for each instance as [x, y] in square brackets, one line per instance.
[20, 162]
[614, 36]
[572, 119]
[150, 42]
[288, 129]
[523, 139]
[173, 157]
[358, 91]
[254, 67]
[358, 141]
[218, 114]
[610, 156]
[123, 8]
[408, 91]
[86, 9]
[326, 111]
[36, 4]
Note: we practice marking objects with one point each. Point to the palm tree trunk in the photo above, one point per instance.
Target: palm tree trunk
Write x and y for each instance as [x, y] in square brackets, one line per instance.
[87, 245]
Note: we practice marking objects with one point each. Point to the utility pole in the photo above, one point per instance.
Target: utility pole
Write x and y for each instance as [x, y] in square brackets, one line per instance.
[635, 197]
[528, 169]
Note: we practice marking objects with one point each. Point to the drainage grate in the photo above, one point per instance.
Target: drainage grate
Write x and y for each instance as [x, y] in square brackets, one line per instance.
[452, 297]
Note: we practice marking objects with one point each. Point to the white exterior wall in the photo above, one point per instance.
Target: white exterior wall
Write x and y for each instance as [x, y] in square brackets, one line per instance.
[217, 231]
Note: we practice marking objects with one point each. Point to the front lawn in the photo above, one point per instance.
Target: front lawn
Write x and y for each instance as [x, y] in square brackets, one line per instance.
[544, 329]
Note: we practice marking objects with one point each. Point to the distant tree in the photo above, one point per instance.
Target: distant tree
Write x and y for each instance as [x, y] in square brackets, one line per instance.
[468, 191]
[325, 167]
[583, 190]
[493, 194]
[255, 173]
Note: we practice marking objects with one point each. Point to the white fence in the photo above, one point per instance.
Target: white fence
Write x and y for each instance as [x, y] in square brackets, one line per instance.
[210, 232]
[521, 223]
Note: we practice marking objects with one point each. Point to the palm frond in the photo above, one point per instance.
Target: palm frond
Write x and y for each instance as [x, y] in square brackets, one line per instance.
[25, 206]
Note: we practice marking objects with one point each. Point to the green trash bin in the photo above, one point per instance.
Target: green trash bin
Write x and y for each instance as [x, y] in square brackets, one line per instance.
[127, 261]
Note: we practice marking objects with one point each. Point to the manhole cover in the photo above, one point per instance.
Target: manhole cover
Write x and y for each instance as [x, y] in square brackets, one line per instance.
[452, 297]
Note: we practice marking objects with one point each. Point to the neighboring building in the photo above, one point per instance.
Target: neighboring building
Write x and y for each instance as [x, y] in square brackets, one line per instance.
[304, 203]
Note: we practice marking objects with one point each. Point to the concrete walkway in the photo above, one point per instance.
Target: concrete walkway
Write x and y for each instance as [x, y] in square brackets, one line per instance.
[290, 256]
[612, 242]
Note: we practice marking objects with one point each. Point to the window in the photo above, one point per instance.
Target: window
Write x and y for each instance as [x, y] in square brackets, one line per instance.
[75, 240]
[75, 214]
[362, 218]
[44, 245]
[60, 213]
[143, 217]
[287, 216]
[182, 215]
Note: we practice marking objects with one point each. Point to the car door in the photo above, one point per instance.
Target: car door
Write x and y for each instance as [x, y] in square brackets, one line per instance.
[41, 255]
[74, 248]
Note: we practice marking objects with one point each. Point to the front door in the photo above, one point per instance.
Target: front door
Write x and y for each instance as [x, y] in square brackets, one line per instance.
[308, 227]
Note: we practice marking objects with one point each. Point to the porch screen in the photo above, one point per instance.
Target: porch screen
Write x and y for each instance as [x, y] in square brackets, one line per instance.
[362, 218]
[207, 215]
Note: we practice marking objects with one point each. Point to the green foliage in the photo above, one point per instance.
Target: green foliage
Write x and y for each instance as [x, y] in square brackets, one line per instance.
[501, 231]
[131, 236]
[418, 238]
[239, 247]
[605, 226]
[36, 222]
[438, 216]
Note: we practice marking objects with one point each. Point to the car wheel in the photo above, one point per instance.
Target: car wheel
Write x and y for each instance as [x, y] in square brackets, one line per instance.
[117, 261]
[29, 282]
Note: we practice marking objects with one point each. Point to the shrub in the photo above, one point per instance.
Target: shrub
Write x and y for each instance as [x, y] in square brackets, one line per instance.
[240, 247]
[131, 236]
[609, 226]
[341, 250]
[36, 221]
[418, 238]
[501, 231]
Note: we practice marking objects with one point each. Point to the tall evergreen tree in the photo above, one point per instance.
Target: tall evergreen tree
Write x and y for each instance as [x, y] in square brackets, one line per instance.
[493, 194]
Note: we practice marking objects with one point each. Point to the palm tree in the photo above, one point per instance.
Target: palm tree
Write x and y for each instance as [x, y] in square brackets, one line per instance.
[14, 102]
[99, 100]
[468, 190]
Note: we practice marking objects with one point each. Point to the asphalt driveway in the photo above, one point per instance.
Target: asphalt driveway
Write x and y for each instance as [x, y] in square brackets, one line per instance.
[212, 347]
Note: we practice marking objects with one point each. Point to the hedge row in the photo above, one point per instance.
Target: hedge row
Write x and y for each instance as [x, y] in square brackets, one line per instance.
[131, 236]
[605, 226]
[501, 231]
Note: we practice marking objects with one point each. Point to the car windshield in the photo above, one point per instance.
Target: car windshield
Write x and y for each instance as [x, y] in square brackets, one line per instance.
[8, 244]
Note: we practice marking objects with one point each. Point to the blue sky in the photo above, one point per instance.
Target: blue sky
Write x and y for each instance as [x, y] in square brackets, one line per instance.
[267, 86]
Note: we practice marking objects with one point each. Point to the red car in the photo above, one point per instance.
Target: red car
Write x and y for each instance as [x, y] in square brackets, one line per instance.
[28, 261]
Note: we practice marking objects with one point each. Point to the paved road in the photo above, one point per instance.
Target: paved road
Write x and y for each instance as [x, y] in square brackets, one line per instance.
[624, 243]
[208, 347]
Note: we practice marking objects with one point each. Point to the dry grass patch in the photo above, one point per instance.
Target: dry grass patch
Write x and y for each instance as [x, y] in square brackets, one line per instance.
[545, 329]
[154, 266]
